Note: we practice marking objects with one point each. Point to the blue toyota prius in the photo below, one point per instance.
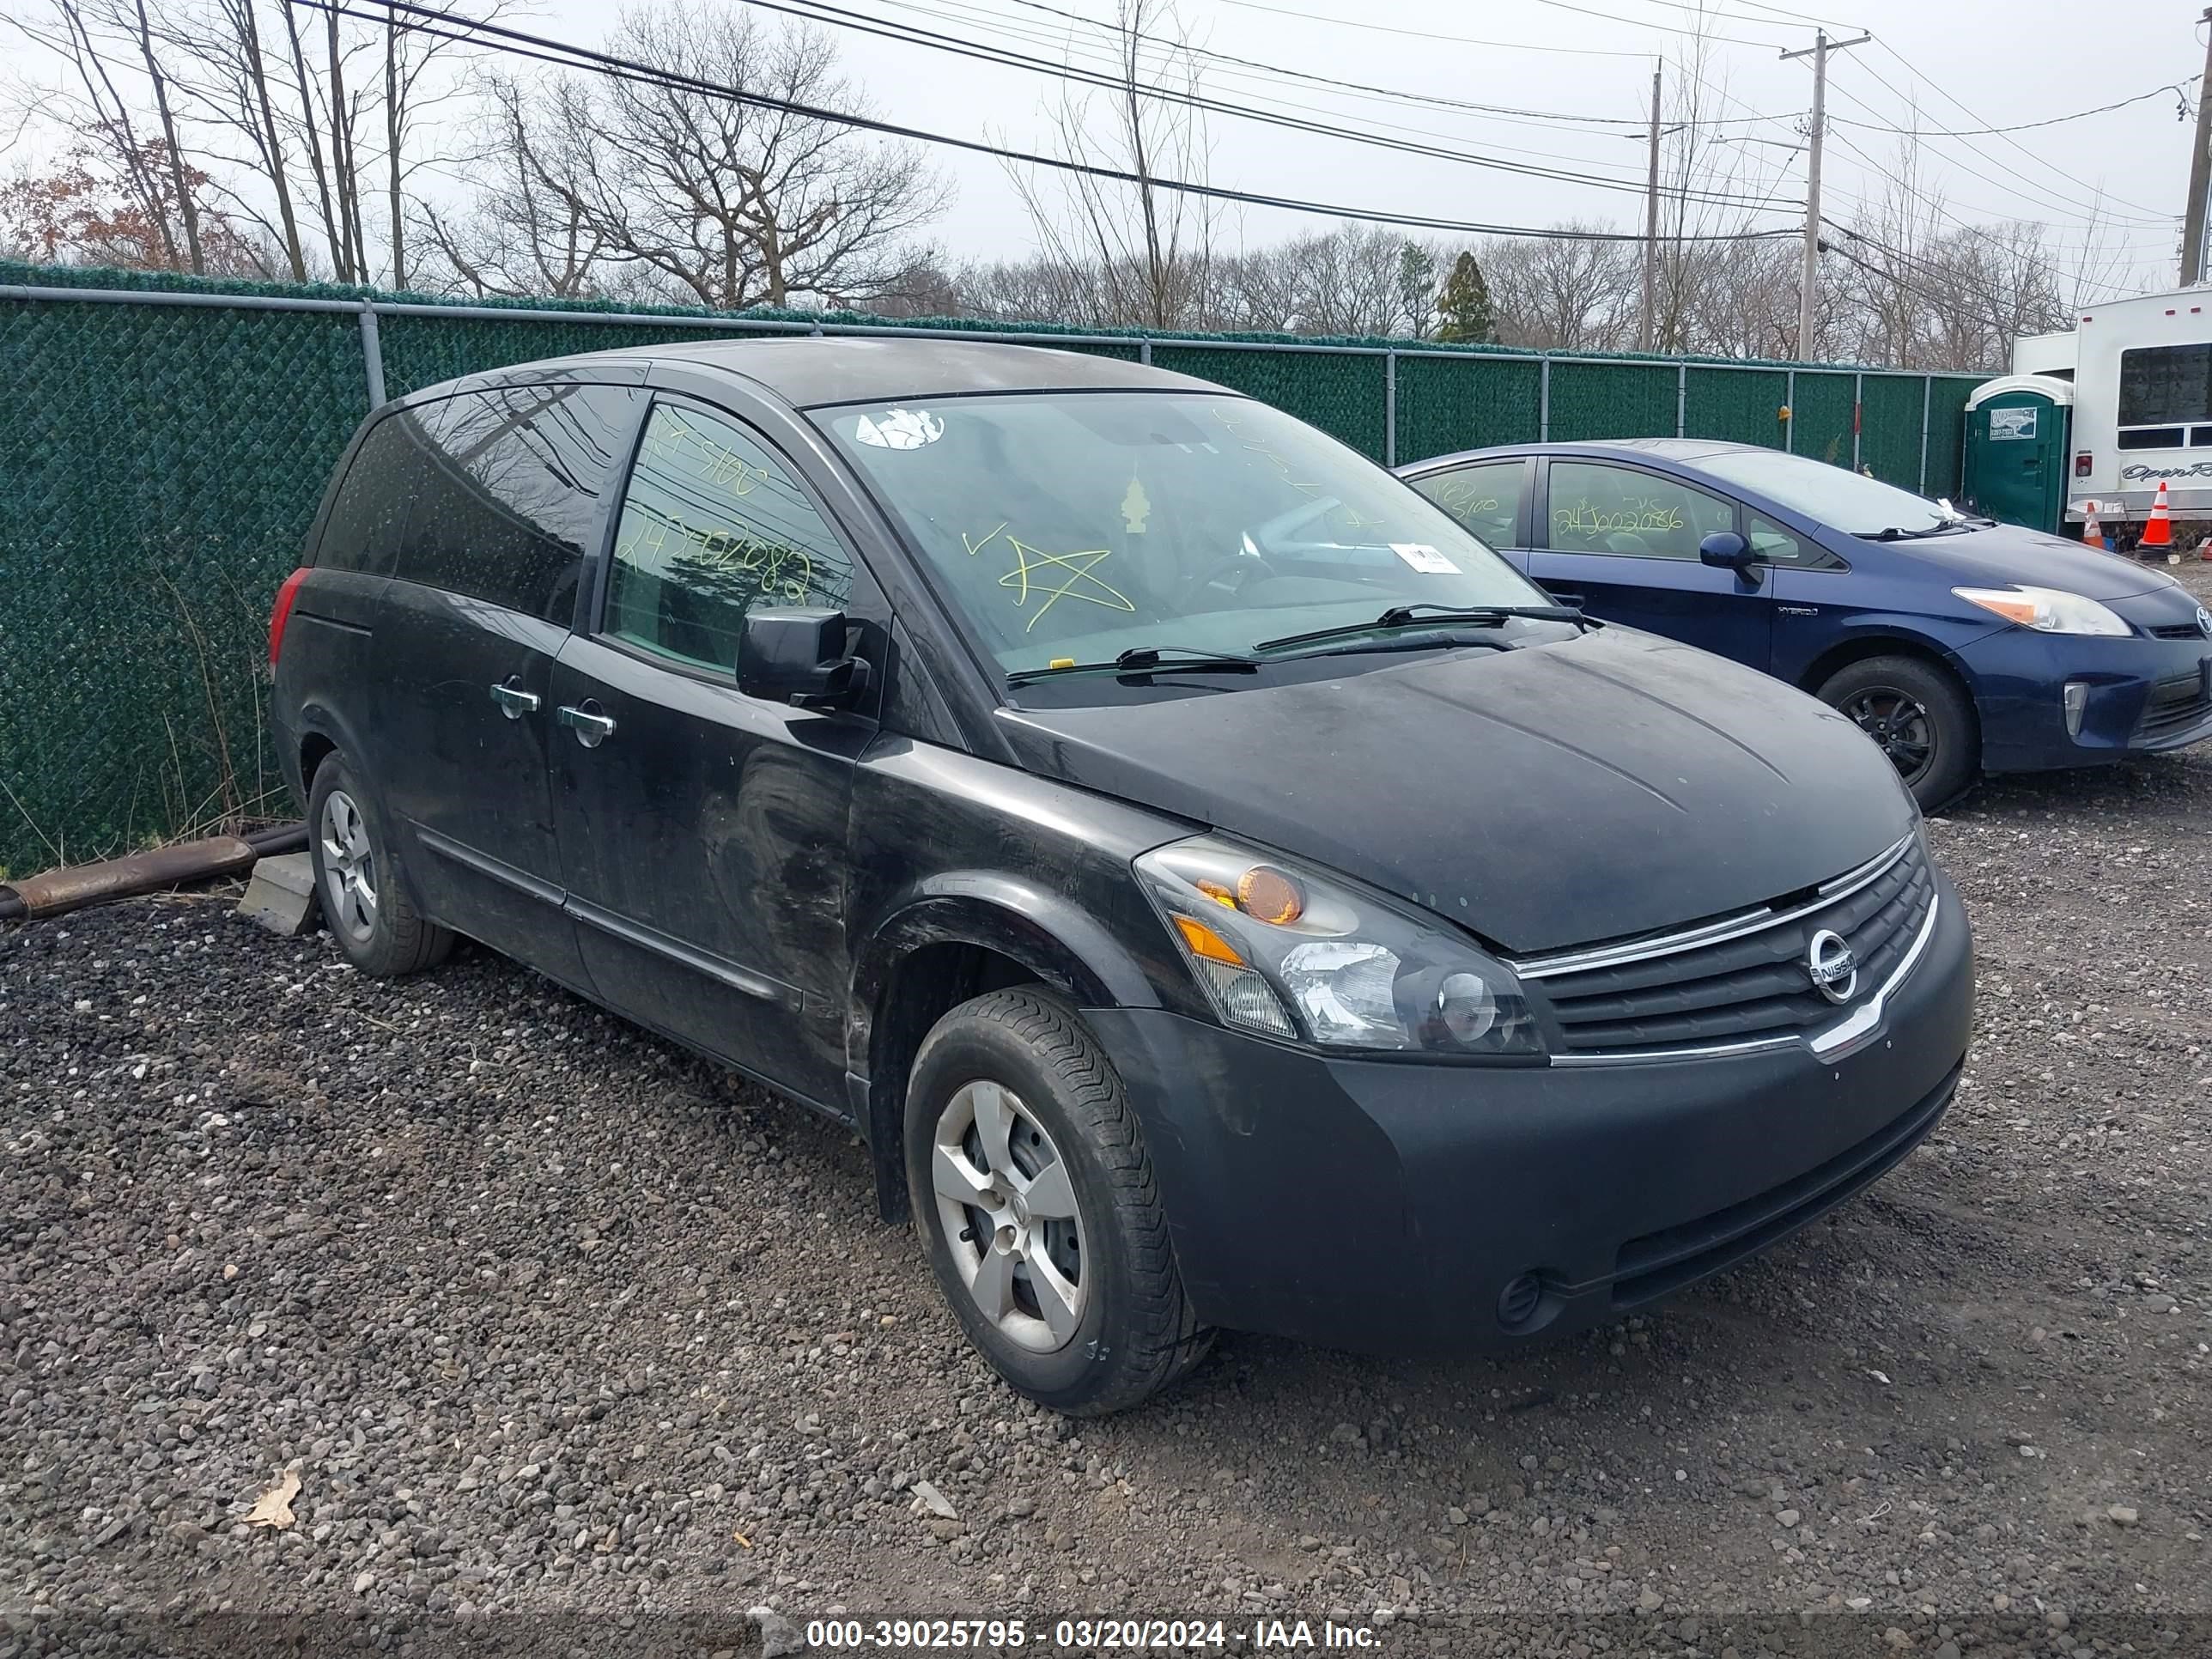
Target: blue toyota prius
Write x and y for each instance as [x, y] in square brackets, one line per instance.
[1959, 644]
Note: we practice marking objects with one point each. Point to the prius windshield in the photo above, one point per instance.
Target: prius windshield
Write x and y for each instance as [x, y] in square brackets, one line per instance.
[1832, 496]
[1078, 526]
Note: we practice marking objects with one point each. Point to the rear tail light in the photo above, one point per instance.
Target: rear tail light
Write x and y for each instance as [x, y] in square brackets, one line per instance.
[282, 612]
[2082, 464]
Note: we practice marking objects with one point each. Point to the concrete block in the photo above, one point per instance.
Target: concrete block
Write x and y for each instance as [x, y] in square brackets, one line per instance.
[282, 895]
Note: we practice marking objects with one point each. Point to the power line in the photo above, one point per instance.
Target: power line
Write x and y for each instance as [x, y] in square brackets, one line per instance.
[822, 11]
[1953, 99]
[1538, 117]
[2041, 195]
[1425, 34]
[1535, 117]
[1670, 29]
[543, 49]
[2180, 88]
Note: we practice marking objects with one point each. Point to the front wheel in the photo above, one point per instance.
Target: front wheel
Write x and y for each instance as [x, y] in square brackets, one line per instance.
[1033, 1194]
[1918, 716]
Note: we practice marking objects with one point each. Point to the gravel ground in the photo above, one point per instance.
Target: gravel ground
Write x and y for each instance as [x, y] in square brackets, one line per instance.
[574, 1345]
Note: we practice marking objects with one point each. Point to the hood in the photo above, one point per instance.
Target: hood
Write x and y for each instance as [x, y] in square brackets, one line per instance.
[2004, 554]
[1610, 785]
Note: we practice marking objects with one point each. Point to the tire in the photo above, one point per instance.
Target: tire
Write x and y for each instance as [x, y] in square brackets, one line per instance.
[359, 883]
[1118, 1328]
[1919, 716]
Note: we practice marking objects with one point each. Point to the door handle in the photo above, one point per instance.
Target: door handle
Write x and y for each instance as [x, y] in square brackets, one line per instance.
[1578, 601]
[514, 701]
[591, 726]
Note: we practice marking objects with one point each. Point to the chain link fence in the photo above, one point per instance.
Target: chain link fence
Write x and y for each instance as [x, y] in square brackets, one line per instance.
[169, 441]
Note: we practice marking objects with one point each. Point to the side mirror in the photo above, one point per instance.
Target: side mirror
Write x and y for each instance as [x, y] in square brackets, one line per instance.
[1727, 550]
[797, 657]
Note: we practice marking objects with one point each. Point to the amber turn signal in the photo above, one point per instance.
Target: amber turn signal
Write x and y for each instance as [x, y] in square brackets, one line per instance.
[1269, 895]
[1202, 942]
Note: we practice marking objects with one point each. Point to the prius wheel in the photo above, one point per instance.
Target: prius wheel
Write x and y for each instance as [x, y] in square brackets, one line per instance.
[364, 898]
[1918, 716]
[1032, 1190]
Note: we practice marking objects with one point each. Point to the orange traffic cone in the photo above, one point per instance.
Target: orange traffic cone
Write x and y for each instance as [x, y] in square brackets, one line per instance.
[2158, 530]
[2093, 533]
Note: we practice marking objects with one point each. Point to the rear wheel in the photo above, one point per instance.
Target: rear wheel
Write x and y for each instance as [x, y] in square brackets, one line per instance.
[363, 895]
[1033, 1194]
[1918, 716]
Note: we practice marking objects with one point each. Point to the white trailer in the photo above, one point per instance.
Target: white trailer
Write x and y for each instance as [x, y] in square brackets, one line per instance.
[2141, 370]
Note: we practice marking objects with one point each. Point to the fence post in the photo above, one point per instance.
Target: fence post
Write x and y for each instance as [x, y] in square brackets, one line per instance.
[1390, 408]
[1681, 400]
[1858, 415]
[1145, 351]
[372, 354]
[1544, 402]
[1927, 393]
[1790, 426]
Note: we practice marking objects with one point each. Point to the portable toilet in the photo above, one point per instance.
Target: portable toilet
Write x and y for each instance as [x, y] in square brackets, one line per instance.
[2016, 449]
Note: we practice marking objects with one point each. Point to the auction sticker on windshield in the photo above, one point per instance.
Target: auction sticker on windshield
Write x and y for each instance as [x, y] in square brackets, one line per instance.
[1424, 558]
[899, 428]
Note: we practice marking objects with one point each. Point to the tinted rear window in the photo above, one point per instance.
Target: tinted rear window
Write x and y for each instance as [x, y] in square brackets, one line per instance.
[513, 492]
[387, 472]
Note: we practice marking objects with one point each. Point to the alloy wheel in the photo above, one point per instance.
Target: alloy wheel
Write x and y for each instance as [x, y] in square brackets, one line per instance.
[348, 868]
[1899, 724]
[1005, 1202]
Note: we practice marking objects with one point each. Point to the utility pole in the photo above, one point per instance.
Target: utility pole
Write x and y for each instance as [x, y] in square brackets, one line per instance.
[1651, 225]
[2200, 176]
[1808, 279]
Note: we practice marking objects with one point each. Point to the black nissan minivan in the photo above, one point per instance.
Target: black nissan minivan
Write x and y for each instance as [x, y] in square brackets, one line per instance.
[1219, 890]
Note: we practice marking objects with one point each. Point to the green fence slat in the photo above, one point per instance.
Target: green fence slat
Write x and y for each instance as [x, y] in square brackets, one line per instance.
[1340, 392]
[1820, 418]
[1946, 432]
[1612, 400]
[1743, 405]
[1889, 428]
[1450, 403]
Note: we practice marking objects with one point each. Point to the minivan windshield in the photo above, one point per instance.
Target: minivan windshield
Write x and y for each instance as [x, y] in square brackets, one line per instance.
[1074, 526]
[1833, 496]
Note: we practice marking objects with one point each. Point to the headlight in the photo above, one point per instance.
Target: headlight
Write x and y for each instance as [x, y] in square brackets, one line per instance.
[2046, 610]
[1286, 952]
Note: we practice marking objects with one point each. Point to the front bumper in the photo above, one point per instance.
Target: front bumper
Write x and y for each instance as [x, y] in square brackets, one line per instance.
[1389, 1205]
[2143, 697]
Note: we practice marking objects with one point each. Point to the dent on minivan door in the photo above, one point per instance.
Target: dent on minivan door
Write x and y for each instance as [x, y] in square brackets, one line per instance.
[703, 831]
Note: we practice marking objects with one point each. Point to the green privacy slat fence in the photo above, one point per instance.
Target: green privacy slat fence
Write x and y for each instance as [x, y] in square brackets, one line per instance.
[1890, 412]
[1820, 416]
[1613, 400]
[166, 442]
[1743, 405]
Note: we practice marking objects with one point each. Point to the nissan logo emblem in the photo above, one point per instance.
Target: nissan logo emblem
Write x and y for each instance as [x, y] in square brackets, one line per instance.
[1830, 965]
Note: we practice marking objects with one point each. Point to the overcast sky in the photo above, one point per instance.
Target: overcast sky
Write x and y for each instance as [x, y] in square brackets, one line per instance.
[2004, 61]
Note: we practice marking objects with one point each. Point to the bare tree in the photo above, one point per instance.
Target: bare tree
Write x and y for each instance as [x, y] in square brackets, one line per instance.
[1563, 294]
[531, 229]
[1150, 250]
[687, 193]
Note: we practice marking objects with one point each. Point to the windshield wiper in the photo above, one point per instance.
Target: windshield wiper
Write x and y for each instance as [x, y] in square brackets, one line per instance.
[1412, 616]
[1893, 534]
[1430, 640]
[1147, 660]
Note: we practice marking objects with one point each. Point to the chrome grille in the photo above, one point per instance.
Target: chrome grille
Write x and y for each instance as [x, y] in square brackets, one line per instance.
[1741, 981]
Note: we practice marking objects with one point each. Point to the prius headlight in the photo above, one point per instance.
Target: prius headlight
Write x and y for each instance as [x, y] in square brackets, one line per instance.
[2046, 610]
[1282, 950]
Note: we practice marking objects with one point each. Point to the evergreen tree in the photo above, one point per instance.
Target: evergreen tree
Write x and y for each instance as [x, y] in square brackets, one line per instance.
[1417, 286]
[1464, 312]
